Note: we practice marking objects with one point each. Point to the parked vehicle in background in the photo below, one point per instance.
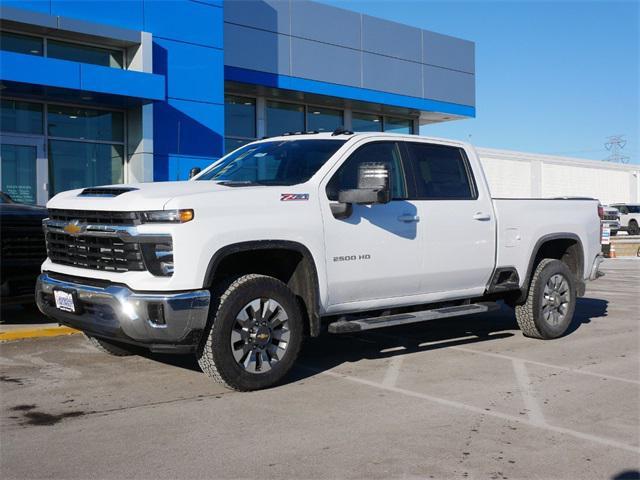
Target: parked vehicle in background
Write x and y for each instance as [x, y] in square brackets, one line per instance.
[629, 217]
[611, 219]
[290, 235]
[23, 250]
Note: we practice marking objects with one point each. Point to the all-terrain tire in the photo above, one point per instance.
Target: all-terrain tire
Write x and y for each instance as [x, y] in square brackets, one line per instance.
[112, 348]
[215, 356]
[530, 315]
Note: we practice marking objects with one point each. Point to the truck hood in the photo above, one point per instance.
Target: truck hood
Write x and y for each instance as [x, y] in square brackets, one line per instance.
[140, 196]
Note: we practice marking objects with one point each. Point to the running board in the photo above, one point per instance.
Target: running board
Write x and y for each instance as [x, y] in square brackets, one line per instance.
[350, 326]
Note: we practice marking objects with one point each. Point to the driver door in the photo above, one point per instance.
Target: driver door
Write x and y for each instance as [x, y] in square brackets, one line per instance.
[374, 254]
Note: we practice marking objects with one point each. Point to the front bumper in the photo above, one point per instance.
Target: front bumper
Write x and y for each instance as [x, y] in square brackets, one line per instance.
[167, 322]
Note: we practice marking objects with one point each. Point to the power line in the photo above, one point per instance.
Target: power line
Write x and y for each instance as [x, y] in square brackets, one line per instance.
[615, 144]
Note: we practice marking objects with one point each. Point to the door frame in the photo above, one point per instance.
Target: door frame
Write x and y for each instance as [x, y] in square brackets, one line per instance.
[42, 166]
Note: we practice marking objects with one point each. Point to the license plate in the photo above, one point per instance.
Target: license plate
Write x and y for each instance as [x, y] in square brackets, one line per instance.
[64, 301]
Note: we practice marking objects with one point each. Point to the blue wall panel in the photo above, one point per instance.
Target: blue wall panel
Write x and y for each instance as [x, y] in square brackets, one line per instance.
[178, 167]
[184, 127]
[184, 21]
[42, 6]
[192, 72]
[17, 67]
[121, 13]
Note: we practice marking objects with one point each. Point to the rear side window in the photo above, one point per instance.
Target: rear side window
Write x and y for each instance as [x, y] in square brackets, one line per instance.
[441, 172]
[346, 178]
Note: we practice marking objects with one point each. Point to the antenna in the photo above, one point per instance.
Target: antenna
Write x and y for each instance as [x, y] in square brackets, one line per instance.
[615, 144]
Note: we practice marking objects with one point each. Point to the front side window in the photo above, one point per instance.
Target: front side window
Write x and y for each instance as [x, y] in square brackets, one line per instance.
[633, 209]
[346, 178]
[441, 172]
[273, 163]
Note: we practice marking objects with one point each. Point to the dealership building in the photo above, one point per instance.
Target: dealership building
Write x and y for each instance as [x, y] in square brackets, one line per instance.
[101, 92]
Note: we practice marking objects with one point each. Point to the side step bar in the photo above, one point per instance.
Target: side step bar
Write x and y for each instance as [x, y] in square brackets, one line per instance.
[350, 326]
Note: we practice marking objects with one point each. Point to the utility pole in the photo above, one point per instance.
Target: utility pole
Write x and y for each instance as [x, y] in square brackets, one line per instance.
[615, 144]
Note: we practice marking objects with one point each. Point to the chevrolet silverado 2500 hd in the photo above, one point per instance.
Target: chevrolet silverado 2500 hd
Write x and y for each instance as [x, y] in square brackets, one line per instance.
[287, 236]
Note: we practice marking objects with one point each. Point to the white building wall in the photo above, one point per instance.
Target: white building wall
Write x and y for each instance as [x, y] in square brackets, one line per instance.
[514, 174]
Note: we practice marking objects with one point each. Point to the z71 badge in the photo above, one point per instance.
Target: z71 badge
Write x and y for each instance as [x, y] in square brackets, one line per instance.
[292, 197]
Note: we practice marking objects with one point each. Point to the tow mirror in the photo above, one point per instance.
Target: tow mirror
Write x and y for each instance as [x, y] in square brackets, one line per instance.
[194, 171]
[373, 188]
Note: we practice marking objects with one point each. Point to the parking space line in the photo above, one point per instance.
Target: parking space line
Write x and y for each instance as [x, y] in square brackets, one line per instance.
[548, 365]
[510, 358]
[530, 403]
[393, 371]
[481, 411]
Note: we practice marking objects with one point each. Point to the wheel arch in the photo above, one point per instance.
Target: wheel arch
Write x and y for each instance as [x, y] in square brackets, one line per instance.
[564, 246]
[289, 261]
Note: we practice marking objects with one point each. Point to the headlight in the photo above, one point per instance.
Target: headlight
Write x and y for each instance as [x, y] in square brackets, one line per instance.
[158, 257]
[167, 216]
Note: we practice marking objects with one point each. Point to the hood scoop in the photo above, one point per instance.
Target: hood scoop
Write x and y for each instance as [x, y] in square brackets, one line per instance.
[105, 191]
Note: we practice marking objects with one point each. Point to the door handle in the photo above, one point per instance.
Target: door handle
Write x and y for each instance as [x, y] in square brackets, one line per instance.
[482, 216]
[408, 218]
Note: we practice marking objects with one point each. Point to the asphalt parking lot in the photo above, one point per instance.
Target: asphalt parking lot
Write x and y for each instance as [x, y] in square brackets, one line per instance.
[467, 398]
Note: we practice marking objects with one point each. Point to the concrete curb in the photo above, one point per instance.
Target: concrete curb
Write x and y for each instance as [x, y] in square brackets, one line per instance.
[35, 332]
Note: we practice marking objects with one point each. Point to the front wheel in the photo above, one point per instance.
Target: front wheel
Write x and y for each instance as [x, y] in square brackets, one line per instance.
[551, 301]
[255, 333]
[633, 228]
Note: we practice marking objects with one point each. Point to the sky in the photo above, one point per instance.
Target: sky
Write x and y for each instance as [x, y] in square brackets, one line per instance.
[552, 77]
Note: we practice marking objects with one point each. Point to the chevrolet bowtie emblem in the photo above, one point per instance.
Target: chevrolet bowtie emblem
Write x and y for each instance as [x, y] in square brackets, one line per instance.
[73, 227]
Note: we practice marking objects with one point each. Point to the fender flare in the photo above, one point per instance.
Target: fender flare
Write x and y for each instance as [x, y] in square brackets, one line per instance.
[311, 296]
[534, 254]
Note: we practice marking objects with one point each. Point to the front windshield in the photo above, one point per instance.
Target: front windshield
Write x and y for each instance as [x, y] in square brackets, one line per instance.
[287, 162]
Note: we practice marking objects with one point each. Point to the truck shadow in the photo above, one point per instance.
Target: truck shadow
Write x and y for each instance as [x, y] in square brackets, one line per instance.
[329, 351]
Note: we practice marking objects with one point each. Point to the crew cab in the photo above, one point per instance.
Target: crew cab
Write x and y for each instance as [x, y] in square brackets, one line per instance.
[301, 234]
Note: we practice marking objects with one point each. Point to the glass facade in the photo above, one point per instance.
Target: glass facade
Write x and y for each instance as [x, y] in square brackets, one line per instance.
[79, 164]
[283, 118]
[84, 54]
[85, 123]
[21, 117]
[324, 119]
[398, 125]
[239, 121]
[14, 42]
[18, 172]
[75, 52]
[363, 122]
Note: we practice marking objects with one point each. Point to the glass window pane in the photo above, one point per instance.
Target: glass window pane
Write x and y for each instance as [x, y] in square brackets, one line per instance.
[79, 165]
[84, 54]
[13, 42]
[346, 177]
[323, 119]
[440, 172]
[239, 116]
[21, 117]
[398, 125]
[85, 124]
[283, 118]
[19, 172]
[230, 144]
[366, 123]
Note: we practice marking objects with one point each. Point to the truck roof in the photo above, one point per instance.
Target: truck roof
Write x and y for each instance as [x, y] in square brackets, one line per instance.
[359, 135]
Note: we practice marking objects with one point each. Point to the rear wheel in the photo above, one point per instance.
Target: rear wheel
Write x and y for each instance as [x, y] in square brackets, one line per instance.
[255, 334]
[551, 300]
[112, 348]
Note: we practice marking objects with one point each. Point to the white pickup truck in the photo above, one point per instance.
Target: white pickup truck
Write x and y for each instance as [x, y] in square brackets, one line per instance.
[294, 235]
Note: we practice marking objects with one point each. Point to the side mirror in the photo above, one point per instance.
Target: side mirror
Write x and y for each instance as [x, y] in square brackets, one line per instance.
[194, 171]
[373, 186]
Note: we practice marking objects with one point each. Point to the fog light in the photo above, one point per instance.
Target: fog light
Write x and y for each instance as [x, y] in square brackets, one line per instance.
[156, 313]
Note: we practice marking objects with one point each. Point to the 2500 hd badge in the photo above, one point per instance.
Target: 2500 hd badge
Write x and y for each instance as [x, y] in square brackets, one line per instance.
[351, 258]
